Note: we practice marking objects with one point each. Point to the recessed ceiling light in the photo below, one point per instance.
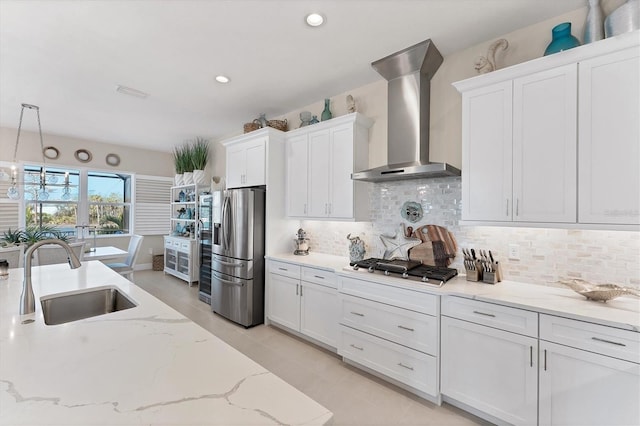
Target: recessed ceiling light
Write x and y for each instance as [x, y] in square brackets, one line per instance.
[222, 79]
[314, 19]
[131, 92]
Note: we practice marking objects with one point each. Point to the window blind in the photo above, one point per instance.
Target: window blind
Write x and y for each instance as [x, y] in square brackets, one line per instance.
[152, 209]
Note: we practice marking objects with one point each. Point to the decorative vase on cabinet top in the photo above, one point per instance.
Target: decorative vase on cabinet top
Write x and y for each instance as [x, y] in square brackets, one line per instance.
[624, 19]
[561, 39]
[326, 113]
[594, 25]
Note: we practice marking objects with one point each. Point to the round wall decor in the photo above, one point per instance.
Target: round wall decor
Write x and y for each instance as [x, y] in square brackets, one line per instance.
[112, 159]
[83, 156]
[51, 152]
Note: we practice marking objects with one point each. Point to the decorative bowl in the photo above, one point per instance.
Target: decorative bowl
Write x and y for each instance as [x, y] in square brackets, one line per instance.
[599, 292]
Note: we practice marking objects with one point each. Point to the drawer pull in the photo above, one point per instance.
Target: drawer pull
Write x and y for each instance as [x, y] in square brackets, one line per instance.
[607, 341]
[357, 313]
[283, 269]
[357, 347]
[406, 328]
[319, 276]
[485, 314]
[405, 366]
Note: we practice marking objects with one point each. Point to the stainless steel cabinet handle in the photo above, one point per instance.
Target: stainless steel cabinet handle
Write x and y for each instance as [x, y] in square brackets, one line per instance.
[485, 314]
[319, 277]
[283, 269]
[405, 366]
[545, 360]
[608, 341]
[297, 289]
[300, 290]
[357, 313]
[406, 328]
[530, 356]
[234, 265]
[356, 347]
[507, 212]
[326, 209]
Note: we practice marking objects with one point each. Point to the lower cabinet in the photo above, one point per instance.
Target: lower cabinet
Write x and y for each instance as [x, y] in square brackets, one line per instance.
[302, 305]
[491, 370]
[391, 331]
[596, 382]
[181, 258]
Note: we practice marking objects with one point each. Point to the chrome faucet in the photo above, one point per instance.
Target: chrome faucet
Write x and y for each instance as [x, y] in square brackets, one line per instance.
[27, 299]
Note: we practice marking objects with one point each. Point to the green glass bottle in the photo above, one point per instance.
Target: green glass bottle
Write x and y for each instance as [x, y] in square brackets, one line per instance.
[326, 113]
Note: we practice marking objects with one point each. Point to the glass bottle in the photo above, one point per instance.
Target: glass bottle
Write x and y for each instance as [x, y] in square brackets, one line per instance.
[594, 25]
[561, 39]
[326, 113]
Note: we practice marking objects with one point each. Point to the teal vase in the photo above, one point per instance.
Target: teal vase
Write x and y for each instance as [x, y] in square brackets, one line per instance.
[561, 39]
[326, 113]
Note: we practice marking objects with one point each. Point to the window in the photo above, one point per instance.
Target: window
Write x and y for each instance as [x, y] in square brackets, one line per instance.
[77, 197]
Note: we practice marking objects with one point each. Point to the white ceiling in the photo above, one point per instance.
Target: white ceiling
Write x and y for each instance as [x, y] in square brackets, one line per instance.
[69, 56]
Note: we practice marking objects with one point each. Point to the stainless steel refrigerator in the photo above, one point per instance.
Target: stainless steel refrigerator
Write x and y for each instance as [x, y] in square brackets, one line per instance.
[237, 259]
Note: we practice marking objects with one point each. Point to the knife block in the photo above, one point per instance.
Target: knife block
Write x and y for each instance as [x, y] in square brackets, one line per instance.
[493, 277]
[474, 274]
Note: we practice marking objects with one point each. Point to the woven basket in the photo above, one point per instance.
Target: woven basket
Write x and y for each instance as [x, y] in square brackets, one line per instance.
[278, 124]
[250, 127]
[158, 262]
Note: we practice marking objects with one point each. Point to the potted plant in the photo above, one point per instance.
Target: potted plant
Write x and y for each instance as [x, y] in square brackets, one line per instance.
[199, 158]
[31, 234]
[180, 159]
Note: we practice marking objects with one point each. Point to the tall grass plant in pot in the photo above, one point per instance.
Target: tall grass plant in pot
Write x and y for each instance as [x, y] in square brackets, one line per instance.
[199, 159]
[181, 160]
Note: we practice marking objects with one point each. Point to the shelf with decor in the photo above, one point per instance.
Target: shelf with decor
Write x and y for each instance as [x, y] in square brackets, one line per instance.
[180, 248]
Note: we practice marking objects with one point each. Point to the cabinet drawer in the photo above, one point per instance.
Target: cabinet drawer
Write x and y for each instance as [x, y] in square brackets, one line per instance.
[176, 244]
[413, 329]
[610, 341]
[168, 243]
[492, 315]
[283, 268]
[185, 246]
[405, 365]
[319, 276]
[412, 300]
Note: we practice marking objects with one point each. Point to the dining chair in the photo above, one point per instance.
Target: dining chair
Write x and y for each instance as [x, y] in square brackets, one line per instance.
[126, 268]
[51, 254]
[14, 255]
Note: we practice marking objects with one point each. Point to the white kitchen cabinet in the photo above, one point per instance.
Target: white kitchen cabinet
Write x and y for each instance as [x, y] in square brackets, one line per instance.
[555, 140]
[320, 161]
[589, 374]
[304, 300]
[394, 332]
[181, 258]
[486, 153]
[609, 129]
[519, 149]
[490, 370]
[485, 364]
[544, 146]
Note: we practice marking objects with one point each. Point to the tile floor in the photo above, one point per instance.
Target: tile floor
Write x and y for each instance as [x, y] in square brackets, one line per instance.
[355, 397]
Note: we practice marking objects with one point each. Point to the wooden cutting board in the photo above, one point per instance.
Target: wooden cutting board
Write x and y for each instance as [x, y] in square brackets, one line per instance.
[438, 246]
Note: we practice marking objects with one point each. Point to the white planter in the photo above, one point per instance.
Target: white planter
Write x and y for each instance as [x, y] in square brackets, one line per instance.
[199, 177]
[187, 178]
[178, 179]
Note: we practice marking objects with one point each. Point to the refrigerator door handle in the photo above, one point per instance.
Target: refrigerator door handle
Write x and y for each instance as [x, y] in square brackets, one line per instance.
[226, 229]
[227, 281]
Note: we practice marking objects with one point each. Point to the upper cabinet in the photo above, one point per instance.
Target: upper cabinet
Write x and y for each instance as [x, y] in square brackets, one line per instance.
[555, 140]
[246, 158]
[609, 128]
[319, 161]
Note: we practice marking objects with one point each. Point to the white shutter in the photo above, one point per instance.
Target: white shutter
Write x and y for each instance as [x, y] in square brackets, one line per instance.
[152, 209]
[9, 209]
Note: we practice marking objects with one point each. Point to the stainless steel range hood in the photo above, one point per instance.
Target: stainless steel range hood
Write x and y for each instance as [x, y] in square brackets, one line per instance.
[409, 73]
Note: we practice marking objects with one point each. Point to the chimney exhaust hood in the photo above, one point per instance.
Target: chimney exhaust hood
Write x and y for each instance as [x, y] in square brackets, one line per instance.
[409, 73]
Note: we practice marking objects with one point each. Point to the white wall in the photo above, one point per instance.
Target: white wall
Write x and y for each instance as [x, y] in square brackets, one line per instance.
[132, 160]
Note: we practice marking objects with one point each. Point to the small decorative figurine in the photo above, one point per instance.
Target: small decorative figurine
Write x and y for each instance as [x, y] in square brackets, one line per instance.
[356, 248]
[351, 104]
[487, 64]
[314, 120]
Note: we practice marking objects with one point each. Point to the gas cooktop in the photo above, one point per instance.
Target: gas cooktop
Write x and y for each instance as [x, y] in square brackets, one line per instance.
[407, 269]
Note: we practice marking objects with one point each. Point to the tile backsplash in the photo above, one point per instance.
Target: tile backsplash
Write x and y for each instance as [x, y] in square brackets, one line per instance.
[546, 255]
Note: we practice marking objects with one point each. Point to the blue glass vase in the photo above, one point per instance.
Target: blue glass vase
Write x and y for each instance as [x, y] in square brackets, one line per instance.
[561, 39]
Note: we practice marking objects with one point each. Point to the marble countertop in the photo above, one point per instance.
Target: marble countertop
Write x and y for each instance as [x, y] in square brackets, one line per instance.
[145, 365]
[623, 312]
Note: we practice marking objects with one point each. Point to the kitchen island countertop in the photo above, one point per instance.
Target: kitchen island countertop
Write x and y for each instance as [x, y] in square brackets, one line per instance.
[145, 365]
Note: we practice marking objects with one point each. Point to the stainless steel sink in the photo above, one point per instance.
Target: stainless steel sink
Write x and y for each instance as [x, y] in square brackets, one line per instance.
[63, 308]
